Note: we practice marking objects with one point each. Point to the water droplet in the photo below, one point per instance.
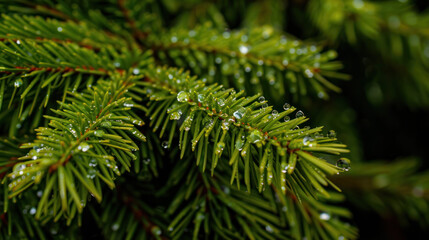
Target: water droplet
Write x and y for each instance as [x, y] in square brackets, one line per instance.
[17, 83]
[226, 189]
[225, 125]
[173, 39]
[324, 216]
[239, 144]
[244, 49]
[299, 114]
[220, 102]
[343, 163]
[106, 124]
[117, 64]
[269, 229]
[275, 113]
[220, 147]
[265, 105]
[284, 170]
[99, 133]
[261, 99]
[136, 71]
[286, 106]
[306, 140]
[93, 163]
[287, 118]
[255, 136]
[218, 60]
[84, 146]
[39, 193]
[285, 62]
[175, 115]
[115, 226]
[320, 94]
[146, 161]
[308, 73]
[239, 113]
[183, 96]
[260, 62]
[156, 230]
[332, 134]
[33, 211]
[201, 98]
[164, 144]
[18, 42]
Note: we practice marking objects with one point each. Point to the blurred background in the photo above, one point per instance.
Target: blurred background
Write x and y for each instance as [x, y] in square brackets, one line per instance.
[382, 113]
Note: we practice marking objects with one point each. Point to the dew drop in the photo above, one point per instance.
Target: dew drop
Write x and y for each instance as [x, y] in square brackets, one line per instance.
[219, 147]
[343, 163]
[93, 163]
[324, 216]
[115, 226]
[265, 105]
[156, 231]
[173, 39]
[17, 83]
[106, 124]
[164, 144]
[332, 134]
[239, 144]
[99, 133]
[59, 29]
[175, 115]
[146, 161]
[239, 113]
[269, 229]
[275, 113]
[201, 98]
[287, 118]
[220, 102]
[33, 211]
[285, 62]
[84, 146]
[286, 106]
[308, 73]
[183, 96]
[244, 49]
[136, 71]
[261, 99]
[299, 114]
[255, 136]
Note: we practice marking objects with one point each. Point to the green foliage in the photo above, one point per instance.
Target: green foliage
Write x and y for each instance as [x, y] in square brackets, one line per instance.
[391, 31]
[252, 60]
[78, 80]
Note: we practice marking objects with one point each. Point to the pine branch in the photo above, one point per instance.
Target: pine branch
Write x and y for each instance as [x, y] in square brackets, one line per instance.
[220, 123]
[17, 27]
[257, 60]
[84, 145]
[202, 201]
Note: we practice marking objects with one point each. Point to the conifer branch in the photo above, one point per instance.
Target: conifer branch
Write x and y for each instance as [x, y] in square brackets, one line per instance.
[77, 148]
[17, 27]
[220, 123]
[256, 60]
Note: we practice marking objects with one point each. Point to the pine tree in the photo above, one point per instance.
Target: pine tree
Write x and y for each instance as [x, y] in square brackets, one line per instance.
[126, 119]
